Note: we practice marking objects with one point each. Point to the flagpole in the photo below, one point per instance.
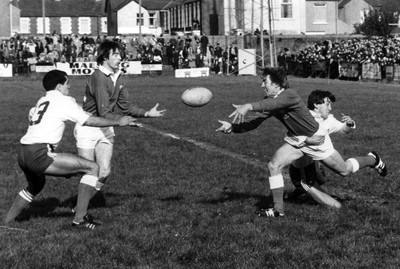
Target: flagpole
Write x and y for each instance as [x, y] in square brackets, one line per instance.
[261, 32]
[44, 17]
[140, 21]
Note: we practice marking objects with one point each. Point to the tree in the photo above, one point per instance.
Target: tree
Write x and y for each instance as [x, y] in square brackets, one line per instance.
[376, 23]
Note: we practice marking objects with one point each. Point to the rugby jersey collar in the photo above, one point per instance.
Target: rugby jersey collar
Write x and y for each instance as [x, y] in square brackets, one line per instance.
[316, 116]
[55, 93]
[276, 95]
[108, 73]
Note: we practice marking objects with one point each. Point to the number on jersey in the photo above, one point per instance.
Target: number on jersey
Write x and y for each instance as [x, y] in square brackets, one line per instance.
[36, 113]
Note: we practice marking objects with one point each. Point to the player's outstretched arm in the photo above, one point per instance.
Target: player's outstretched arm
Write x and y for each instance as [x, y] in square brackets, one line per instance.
[321, 197]
[240, 113]
[103, 122]
[154, 113]
[226, 127]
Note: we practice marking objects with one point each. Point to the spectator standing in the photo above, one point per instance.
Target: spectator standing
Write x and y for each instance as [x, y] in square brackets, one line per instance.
[204, 43]
[84, 41]
[233, 52]
[218, 59]
[39, 46]
[281, 59]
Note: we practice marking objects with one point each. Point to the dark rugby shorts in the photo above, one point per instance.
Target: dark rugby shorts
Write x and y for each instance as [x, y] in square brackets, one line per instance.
[33, 159]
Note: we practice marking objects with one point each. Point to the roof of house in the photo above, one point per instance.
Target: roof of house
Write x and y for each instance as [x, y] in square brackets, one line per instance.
[147, 4]
[373, 3]
[174, 3]
[82, 8]
[62, 8]
[323, 0]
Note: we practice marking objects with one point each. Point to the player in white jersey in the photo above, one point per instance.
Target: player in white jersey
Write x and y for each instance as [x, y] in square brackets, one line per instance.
[37, 156]
[305, 170]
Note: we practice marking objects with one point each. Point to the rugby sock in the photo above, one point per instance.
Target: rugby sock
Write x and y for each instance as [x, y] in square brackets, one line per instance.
[365, 161]
[85, 191]
[276, 185]
[354, 164]
[23, 199]
[84, 195]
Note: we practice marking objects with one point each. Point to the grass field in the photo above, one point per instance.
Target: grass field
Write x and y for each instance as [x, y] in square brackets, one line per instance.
[183, 196]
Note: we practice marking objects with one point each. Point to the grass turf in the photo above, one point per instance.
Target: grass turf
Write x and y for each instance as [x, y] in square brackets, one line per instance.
[172, 204]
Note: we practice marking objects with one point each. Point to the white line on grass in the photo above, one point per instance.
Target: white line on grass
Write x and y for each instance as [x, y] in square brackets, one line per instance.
[14, 229]
[250, 161]
[210, 147]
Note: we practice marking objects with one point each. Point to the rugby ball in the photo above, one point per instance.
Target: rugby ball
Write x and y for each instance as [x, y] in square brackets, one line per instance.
[196, 96]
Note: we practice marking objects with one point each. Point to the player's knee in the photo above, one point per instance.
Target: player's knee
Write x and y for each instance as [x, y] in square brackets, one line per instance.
[90, 167]
[345, 173]
[274, 168]
[104, 173]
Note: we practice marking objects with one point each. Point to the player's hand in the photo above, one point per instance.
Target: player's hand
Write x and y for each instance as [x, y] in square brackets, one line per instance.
[135, 124]
[154, 113]
[346, 119]
[126, 120]
[240, 112]
[315, 140]
[226, 127]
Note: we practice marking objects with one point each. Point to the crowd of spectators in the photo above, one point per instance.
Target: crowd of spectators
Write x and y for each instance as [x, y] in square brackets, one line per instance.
[324, 59]
[190, 51]
[178, 51]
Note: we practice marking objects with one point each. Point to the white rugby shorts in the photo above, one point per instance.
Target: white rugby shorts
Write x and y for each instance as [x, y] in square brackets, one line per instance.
[88, 137]
[318, 153]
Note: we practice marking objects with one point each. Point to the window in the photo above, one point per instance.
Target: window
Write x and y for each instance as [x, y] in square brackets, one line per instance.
[84, 25]
[66, 25]
[319, 13]
[286, 9]
[39, 22]
[139, 19]
[152, 19]
[24, 25]
[104, 24]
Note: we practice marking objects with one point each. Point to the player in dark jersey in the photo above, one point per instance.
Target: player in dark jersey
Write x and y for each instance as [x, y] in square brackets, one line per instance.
[302, 138]
[287, 106]
[106, 92]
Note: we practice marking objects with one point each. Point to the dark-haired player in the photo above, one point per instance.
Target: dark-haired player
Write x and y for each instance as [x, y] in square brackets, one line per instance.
[320, 105]
[105, 91]
[37, 156]
[286, 105]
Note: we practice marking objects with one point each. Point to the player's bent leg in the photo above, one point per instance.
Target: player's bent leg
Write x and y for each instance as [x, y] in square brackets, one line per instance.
[66, 164]
[22, 201]
[24, 198]
[283, 157]
[103, 153]
[321, 197]
[336, 163]
[87, 153]
[86, 189]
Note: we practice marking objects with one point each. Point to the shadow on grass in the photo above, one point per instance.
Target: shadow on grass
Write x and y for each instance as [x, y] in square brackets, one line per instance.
[228, 195]
[263, 201]
[47, 207]
[175, 198]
